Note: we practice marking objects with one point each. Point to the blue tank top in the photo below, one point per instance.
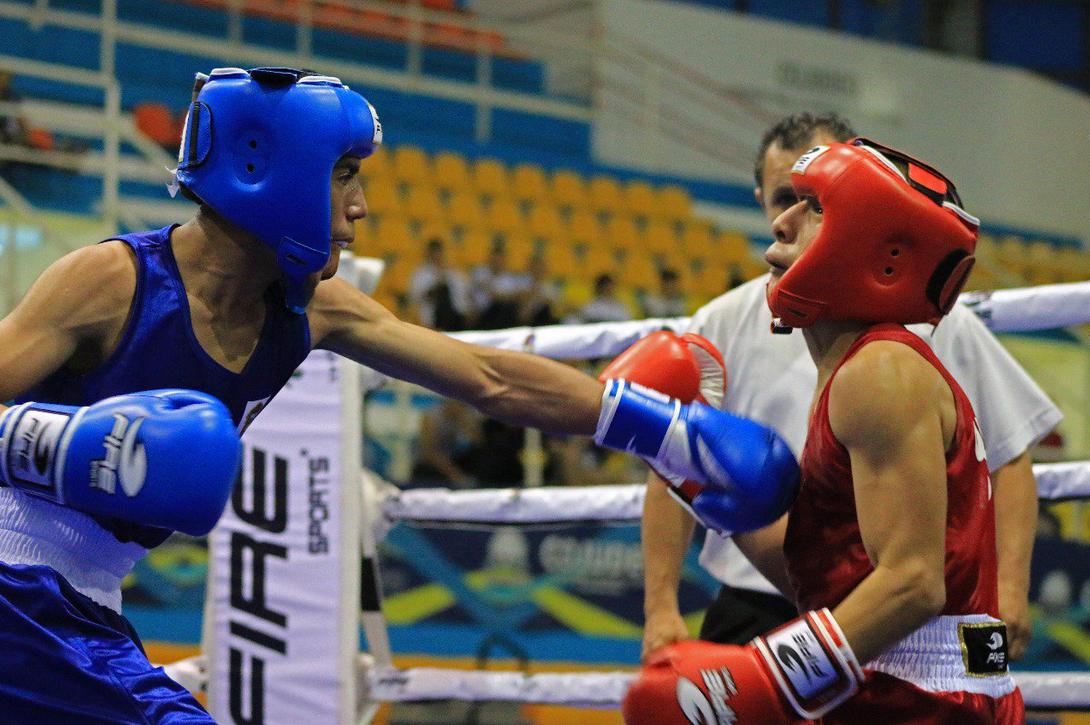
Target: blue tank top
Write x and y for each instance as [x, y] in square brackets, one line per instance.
[158, 349]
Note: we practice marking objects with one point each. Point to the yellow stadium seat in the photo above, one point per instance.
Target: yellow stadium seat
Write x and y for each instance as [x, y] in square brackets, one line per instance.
[639, 199]
[660, 237]
[520, 248]
[474, 248]
[674, 203]
[605, 194]
[583, 227]
[621, 233]
[450, 172]
[464, 210]
[543, 222]
[561, 260]
[411, 165]
[490, 178]
[423, 205]
[393, 235]
[568, 190]
[395, 278]
[504, 215]
[597, 260]
[696, 237]
[732, 245]
[639, 271]
[382, 197]
[363, 239]
[378, 165]
[528, 183]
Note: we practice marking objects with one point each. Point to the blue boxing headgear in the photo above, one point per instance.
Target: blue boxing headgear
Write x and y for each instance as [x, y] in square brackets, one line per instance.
[259, 148]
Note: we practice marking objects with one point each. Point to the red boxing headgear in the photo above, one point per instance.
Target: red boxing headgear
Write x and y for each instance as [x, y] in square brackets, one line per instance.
[894, 243]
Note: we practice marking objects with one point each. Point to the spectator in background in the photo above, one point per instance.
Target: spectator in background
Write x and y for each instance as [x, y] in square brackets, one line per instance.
[605, 307]
[13, 129]
[497, 290]
[449, 446]
[439, 293]
[539, 299]
[669, 301]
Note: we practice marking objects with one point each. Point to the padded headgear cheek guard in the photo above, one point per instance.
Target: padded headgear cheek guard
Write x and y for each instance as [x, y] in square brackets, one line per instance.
[259, 148]
[894, 245]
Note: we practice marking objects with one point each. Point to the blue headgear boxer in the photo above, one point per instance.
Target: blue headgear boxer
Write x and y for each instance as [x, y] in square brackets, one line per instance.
[259, 148]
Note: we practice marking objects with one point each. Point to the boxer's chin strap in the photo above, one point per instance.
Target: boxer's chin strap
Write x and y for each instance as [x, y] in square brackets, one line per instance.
[778, 328]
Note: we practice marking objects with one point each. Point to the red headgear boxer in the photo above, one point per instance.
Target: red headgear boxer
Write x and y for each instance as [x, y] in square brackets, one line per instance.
[894, 243]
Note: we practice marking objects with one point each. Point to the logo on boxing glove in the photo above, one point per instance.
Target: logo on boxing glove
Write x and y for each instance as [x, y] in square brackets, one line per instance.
[712, 709]
[126, 462]
[34, 447]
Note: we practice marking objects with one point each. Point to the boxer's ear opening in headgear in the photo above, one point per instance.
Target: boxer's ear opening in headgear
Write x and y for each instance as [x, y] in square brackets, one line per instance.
[948, 279]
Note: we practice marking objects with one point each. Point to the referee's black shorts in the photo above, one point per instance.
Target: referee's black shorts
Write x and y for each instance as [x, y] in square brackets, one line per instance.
[738, 615]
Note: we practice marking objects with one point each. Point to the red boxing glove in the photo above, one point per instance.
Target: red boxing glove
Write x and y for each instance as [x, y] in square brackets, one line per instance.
[801, 670]
[686, 367]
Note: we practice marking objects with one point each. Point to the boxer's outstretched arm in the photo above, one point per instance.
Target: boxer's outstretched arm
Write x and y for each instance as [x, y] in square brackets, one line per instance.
[887, 406]
[522, 389]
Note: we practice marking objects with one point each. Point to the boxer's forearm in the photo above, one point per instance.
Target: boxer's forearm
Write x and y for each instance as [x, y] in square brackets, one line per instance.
[887, 606]
[533, 391]
[764, 549]
[1015, 523]
[666, 531]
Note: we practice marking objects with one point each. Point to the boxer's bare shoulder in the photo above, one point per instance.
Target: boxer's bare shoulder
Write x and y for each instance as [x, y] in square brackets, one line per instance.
[73, 314]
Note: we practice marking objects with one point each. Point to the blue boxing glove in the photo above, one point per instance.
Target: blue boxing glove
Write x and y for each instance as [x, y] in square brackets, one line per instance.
[163, 458]
[750, 475]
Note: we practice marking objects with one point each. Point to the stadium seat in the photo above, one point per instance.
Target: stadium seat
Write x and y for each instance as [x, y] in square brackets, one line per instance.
[382, 197]
[464, 210]
[543, 222]
[659, 237]
[674, 203]
[490, 179]
[504, 215]
[450, 172]
[568, 190]
[640, 199]
[474, 248]
[528, 184]
[605, 194]
[155, 121]
[583, 227]
[621, 233]
[696, 237]
[411, 165]
[377, 165]
[422, 204]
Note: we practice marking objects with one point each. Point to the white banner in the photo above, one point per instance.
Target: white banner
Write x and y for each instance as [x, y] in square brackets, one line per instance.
[285, 573]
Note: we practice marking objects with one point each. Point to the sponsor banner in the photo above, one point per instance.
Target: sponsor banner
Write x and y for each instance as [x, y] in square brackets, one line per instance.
[278, 563]
[559, 593]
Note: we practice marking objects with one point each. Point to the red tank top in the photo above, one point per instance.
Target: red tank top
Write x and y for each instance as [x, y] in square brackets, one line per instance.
[825, 555]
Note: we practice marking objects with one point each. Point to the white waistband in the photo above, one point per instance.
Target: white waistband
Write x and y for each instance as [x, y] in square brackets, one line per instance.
[90, 558]
[932, 659]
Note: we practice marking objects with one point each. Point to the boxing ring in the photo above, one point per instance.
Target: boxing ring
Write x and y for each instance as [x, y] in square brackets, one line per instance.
[281, 631]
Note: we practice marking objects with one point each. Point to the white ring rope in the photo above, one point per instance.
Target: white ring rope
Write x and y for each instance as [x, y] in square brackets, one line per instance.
[611, 503]
[1026, 309]
[603, 690]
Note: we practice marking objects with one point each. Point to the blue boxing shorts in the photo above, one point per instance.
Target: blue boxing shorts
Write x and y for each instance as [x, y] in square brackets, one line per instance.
[64, 657]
